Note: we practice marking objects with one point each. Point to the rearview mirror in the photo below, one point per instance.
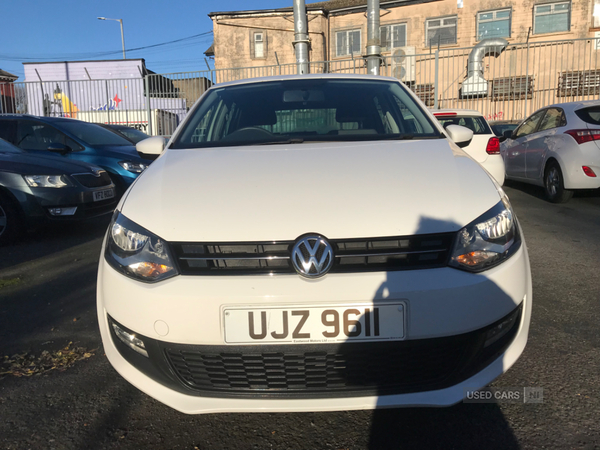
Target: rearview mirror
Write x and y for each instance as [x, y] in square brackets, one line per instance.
[59, 148]
[460, 135]
[151, 148]
[507, 134]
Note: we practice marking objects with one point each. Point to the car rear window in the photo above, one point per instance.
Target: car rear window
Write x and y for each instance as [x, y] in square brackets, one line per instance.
[589, 115]
[476, 124]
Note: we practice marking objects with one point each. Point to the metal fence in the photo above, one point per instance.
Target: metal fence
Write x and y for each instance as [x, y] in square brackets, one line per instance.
[523, 78]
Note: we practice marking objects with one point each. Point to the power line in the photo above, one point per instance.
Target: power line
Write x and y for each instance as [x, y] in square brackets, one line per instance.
[75, 56]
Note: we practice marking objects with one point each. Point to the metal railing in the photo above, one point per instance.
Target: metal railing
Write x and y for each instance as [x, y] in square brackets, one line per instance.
[525, 77]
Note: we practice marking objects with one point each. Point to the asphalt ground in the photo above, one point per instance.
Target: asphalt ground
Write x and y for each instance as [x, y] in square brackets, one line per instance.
[47, 306]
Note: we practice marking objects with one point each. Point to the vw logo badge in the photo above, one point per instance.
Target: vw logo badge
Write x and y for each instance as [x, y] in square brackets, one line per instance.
[312, 256]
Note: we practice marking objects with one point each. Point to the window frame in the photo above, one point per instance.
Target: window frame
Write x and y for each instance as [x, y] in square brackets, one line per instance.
[563, 119]
[347, 31]
[488, 11]
[552, 5]
[442, 18]
[390, 27]
[253, 34]
[542, 113]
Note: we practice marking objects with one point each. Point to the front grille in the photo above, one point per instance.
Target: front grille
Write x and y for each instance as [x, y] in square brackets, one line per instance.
[92, 181]
[351, 255]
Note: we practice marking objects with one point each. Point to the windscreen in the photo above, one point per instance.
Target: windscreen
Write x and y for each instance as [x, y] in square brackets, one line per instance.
[589, 115]
[296, 111]
[92, 134]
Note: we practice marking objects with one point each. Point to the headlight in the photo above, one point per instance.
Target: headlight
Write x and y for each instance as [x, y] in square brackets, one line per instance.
[47, 181]
[137, 253]
[488, 240]
[133, 167]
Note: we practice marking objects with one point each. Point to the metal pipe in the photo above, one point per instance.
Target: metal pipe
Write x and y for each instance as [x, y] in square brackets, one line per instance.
[373, 37]
[301, 40]
[487, 47]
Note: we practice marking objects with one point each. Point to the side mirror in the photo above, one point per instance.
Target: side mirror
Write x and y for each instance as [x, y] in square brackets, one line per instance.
[151, 148]
[508, 134]
[460, 135]
[59, 148]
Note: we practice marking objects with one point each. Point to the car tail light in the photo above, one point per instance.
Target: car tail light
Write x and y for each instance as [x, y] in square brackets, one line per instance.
[493, 146]
[444, 114]
[588, 171]
[583, 136]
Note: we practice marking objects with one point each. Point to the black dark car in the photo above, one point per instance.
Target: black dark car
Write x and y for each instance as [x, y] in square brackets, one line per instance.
[35, 189]
[133, 135]
[500, 126]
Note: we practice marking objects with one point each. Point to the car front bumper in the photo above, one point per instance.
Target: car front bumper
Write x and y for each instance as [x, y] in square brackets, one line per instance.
[36, 203]
[446, 309]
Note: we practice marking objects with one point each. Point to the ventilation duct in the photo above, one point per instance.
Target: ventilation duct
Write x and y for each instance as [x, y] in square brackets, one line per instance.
[476, 84]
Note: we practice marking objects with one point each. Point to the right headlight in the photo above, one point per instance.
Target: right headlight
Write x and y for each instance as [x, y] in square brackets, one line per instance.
[136, 252]
[488, 240]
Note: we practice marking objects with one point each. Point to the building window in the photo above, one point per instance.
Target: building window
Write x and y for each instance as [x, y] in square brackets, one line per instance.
[491, 24]
[441, 31]
[392, 36]
[596, 14]
[552, 18]
[512, 88]
[259, 45]
[347, 42]
[579, 83]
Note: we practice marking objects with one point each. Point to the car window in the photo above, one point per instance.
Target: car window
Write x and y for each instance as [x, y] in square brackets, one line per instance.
[7, 147]
[92, 134]
[529, 125]
[8, 130]
[589, 115]
[33, 135]
[476, 124]
[304, 110]
[134, 134]
[554, 118]
[499, 129]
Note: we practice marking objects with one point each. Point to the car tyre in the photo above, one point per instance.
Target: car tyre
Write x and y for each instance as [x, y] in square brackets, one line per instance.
[554, 184]
[10, 220]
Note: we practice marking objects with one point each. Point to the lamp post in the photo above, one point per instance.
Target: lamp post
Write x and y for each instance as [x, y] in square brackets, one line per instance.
[122, 35]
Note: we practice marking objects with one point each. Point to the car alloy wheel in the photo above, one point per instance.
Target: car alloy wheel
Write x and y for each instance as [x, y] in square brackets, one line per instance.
[8, 220]
[554, 183]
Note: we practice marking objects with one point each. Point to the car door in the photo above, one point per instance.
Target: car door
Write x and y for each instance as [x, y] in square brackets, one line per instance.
[515, 150]
[540, 143]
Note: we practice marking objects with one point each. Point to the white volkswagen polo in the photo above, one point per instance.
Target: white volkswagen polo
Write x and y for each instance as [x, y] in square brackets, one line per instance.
[312, 243]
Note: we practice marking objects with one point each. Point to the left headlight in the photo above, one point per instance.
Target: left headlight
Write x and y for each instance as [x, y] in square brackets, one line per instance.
[488, 240]
[136, 252]
[133, 167]
[47, 181]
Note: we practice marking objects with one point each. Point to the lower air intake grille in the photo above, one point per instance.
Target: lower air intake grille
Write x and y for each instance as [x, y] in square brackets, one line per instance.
[351, 255]
[398, 366]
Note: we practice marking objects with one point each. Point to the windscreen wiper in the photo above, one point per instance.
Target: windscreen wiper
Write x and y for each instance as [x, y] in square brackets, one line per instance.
[289, 141]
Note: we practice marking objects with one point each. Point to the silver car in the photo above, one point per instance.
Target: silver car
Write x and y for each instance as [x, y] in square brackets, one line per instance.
[557, 147]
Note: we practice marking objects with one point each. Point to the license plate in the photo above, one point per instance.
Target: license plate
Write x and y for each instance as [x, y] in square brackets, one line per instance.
[315, 324]
[103, 195]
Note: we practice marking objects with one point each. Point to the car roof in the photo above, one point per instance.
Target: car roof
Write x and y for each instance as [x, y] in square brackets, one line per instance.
[572, 106]
[458, 112]
[316, 76]
[43, 118]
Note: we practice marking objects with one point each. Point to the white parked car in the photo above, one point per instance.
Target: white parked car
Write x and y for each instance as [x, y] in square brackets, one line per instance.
[557, 147]
[485, 146]
[312, 243]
